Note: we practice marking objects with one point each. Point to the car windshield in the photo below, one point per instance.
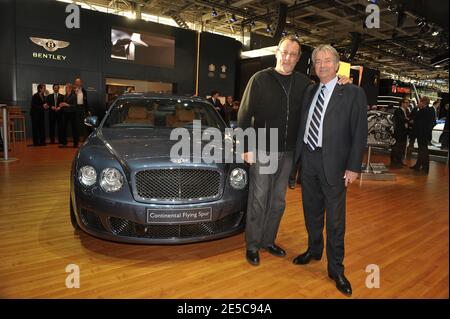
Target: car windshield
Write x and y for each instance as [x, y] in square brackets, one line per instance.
[161, 113]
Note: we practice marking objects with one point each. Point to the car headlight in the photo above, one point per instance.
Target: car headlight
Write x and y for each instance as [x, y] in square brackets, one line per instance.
[87, 175]
[111, 180]
[238, 178]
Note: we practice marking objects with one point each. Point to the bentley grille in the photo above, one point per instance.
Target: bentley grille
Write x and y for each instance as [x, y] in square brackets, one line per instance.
[178, 184]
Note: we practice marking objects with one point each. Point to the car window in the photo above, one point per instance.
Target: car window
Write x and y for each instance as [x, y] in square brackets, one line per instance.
[161, 113]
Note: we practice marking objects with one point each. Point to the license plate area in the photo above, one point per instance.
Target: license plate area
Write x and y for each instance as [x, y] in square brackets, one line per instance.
[179, 216]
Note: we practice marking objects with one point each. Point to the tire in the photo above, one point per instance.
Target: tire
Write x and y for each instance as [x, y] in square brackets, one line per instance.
[73, 219]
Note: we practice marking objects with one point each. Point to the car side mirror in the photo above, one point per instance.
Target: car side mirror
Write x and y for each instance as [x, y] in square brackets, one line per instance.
[91, 121]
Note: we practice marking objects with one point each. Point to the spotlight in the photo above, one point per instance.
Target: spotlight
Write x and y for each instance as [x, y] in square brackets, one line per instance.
[296, 35]
[284, 33]
[435, 33]
[268, 29]
[233, 18]
[253, 24]
[214, 13]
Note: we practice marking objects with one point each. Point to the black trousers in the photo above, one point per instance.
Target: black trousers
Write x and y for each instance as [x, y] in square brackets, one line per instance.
[38, 126]
[319, 197]
[423, 156]
[398, 151]
[55, 120]
[266, 202]
[71, 118]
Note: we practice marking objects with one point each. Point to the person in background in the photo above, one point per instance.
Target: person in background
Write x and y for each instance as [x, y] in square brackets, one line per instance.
[82, 109]
[55, 119]
[443, 112]
[37, 113]
[400, 133]
[214, 100]
[234, 111]
[422, 129]
[69, 107]
[228, 108]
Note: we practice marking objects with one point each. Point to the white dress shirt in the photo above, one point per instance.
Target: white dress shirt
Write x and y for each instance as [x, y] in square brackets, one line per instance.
[329, 87]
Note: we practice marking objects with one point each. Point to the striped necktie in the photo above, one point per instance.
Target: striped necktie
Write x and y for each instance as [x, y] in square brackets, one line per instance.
[314, 124]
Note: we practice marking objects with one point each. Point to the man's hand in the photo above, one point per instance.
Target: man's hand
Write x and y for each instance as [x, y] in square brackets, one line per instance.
[342, 79]
[46, 106]
[248, 157]
[349, 177]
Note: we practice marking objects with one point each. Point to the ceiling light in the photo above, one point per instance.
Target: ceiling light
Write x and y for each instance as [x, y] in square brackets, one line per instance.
[253, 24]
[214, 13]
[233, 18]
[268, 29]
[435, 33]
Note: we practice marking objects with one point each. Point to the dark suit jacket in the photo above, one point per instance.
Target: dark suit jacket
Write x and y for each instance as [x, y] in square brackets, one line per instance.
[423, 124]
[70, 99]
[400, 129]
[37, 103]
[51, 100]
[344, 130]
[218, 106]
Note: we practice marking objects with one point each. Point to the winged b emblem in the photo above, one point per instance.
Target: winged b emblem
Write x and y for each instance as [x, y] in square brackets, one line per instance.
[50, 44]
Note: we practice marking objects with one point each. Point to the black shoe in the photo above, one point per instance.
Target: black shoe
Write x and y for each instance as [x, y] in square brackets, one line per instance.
[252, 257]
[342, 284]
[275, 250]
[305, 258]
[291, 184]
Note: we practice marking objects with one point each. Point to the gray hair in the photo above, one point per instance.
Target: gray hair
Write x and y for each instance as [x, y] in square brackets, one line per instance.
[325, 47]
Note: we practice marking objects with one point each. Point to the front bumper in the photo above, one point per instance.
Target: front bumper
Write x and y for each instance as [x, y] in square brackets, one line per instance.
[125, 220]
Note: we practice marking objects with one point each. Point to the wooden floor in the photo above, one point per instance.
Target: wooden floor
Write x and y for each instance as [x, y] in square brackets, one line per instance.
[401, 226]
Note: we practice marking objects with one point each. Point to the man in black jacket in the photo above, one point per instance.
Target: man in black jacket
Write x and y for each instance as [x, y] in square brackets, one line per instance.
[400, 133]
[330, 143]
[37, 112]
[55, 119]
[271, 99]
[422, 128]
[70, 108]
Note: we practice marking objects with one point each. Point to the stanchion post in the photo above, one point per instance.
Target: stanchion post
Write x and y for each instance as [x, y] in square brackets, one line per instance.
[5, 131]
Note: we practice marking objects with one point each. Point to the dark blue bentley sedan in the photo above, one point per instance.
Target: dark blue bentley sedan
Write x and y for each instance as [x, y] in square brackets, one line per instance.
[126, 186]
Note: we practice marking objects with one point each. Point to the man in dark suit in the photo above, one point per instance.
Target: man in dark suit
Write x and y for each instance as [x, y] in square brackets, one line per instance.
[422, 128]
[331, 141]
[70, 108]
[400, 133]
[214, 100]
[82, 109]
[37, 112]
[54, 115]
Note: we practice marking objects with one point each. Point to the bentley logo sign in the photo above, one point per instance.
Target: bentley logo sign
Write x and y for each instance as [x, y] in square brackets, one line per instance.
[51, 46]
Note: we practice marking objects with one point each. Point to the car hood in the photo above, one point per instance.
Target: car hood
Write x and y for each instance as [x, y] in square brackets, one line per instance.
[138, 148]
